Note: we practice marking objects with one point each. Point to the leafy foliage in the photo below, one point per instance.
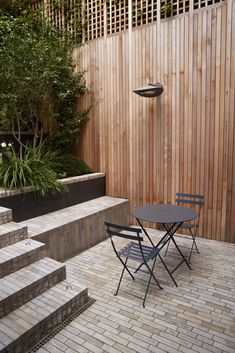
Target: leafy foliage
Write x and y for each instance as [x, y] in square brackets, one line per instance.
[38, 84]
[68, 165]
[39, 92]
[15, 7]
[34, 169]
[71, 11]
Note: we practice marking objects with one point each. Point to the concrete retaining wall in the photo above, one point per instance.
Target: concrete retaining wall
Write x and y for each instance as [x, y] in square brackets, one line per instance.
[74, 229]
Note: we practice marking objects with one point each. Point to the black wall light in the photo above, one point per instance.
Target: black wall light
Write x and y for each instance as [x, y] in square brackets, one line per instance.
[150, 91]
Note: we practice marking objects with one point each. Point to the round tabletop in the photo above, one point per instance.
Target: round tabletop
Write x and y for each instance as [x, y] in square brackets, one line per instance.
[164, 213]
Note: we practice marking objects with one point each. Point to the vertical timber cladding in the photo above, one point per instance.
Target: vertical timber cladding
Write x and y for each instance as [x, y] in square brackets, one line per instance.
[150, 148]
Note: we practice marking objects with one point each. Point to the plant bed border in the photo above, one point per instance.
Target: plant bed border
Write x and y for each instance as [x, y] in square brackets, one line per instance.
[28, 204]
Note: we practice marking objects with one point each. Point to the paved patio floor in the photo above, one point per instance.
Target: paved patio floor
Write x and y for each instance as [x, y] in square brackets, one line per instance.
[198, 316]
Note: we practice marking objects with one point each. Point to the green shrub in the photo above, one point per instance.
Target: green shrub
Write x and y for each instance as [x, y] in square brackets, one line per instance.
[39, 87]
[68, 165]
[34, 169]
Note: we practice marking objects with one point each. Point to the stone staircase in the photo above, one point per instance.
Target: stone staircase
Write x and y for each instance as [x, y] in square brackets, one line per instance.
[35, 295]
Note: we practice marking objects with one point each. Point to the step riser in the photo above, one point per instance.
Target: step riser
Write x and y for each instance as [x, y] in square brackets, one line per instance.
[67, 235]
[13, 237]
[29, 292]
[21, 261]
[40, 330]
[5, 215]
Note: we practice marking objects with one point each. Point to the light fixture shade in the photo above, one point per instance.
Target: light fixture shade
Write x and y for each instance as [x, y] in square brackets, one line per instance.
[150, 91]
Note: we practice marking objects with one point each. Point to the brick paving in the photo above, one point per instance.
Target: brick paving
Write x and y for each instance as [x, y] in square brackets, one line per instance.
[11, 233]
[21, 286]
[5, 214]
[198, 316]
[19, 255]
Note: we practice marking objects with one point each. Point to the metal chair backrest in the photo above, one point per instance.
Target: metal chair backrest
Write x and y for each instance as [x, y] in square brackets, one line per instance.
[125, 232]
[195, 200]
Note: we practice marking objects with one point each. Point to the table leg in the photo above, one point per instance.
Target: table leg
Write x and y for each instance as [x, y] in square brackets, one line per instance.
[170, 231]
[145, 232]
[163, 241]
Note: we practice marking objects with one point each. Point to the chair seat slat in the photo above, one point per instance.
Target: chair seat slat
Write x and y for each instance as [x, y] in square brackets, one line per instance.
[189, 226]
[132, 250]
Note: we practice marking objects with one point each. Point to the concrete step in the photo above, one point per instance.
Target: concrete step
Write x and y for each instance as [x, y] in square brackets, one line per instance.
[23, 285]
[25, 326]
[19, 255]
[5, 215]
[69, 231]
[11, 233]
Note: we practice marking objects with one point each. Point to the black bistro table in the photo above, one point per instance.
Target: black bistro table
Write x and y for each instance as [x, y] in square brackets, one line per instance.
[171, 217]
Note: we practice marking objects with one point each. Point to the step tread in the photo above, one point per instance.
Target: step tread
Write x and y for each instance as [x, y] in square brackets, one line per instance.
[35, 311]
[24, 277]
[58, 218]
[18, 249]
[11, 227]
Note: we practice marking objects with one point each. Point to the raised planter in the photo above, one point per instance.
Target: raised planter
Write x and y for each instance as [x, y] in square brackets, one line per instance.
[29, 204]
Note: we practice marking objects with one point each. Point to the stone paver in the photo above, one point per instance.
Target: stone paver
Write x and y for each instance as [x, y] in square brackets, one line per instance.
[198, 316]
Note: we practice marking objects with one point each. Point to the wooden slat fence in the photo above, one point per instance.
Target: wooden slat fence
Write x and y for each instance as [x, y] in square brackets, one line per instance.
[182, 141]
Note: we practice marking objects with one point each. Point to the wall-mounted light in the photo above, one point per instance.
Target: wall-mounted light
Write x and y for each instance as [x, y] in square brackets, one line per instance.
[150, 91]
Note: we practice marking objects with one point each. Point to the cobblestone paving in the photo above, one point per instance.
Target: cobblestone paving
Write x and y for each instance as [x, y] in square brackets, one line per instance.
[198, 316]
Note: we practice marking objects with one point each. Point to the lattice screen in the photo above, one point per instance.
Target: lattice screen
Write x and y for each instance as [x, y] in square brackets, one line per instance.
[143, 12]
[74, 20]
[202, 3]
[55, 15]
[91, 19]
[94, 19]
[37, 5]
[173, 7]
[117, 16]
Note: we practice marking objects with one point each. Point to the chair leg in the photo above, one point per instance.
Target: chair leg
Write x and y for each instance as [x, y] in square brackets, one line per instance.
[193, 244]
[163, 262]
[139, 267]
[124, 268]
[167, 247]
[194, 241]
[151, 272]
[149, 281]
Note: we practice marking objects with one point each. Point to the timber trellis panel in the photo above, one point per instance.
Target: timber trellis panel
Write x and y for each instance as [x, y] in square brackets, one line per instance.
[182, 141]
[91, 19]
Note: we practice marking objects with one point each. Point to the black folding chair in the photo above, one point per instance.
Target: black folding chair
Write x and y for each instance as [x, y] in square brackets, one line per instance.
[196, 201]
[136, 252]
